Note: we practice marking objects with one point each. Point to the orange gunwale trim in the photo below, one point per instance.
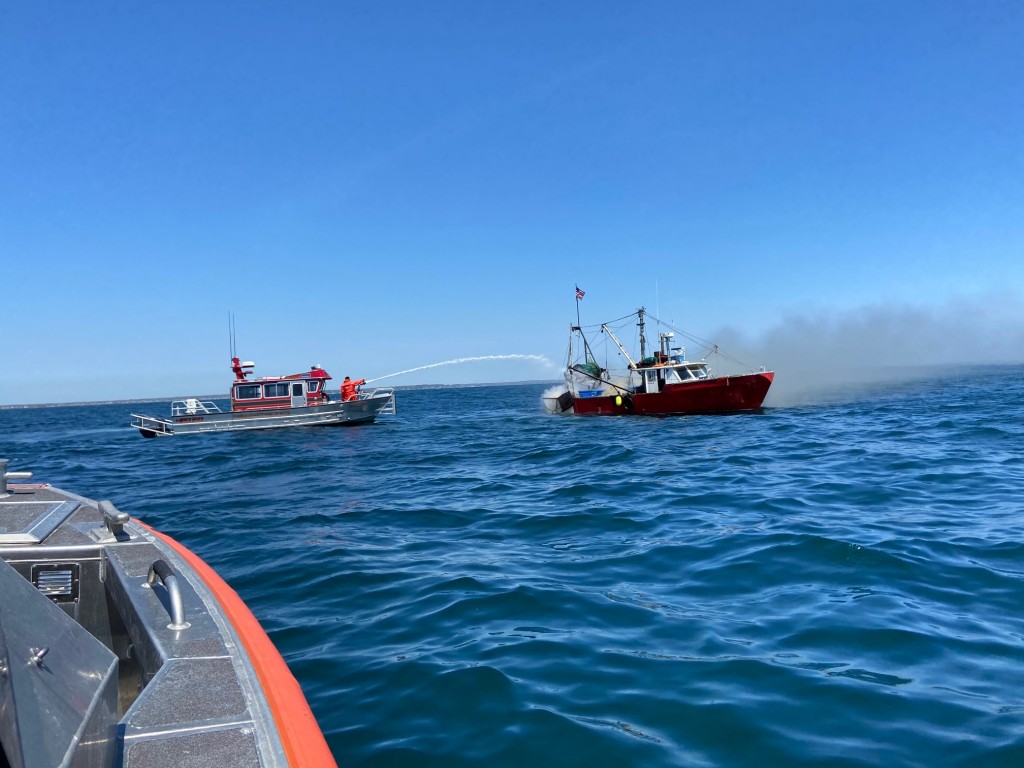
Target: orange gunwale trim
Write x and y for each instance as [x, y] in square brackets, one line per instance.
[303, 741]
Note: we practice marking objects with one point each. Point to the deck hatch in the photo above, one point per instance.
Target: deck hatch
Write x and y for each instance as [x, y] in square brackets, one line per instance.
[58, 581]
[29, 522]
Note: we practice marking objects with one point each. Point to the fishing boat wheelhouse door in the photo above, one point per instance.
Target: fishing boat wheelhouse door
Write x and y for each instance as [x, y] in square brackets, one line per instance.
[652, 385]
[298, 394]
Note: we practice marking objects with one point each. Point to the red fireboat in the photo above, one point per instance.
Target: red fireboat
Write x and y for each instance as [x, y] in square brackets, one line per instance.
[270, 402]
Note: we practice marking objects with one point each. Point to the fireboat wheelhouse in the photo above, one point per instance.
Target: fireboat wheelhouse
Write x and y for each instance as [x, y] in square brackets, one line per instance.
[268, 402]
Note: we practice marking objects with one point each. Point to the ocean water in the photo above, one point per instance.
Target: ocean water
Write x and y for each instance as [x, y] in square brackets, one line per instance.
[475, 582]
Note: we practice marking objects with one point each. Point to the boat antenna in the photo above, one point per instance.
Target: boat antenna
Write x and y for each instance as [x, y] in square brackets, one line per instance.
[231, 334]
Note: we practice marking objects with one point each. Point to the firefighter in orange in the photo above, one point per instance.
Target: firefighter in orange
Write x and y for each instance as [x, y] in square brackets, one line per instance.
[348, 389]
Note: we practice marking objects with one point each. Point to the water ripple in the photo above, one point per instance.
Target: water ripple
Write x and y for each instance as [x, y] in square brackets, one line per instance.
[480, 583]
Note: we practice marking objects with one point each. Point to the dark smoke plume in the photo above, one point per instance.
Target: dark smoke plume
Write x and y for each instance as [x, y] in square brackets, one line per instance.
[816, 354]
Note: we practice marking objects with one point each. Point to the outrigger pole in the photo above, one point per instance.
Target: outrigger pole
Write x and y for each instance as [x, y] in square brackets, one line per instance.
[622, 349]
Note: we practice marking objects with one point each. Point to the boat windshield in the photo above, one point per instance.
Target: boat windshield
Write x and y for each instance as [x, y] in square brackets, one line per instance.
[689, 372]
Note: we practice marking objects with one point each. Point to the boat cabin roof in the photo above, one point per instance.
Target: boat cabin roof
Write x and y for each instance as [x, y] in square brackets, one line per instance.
[242, 372]
[675, 364]
[312, 373]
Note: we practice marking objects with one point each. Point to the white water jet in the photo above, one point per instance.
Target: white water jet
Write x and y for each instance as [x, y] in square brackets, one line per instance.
[538, 358]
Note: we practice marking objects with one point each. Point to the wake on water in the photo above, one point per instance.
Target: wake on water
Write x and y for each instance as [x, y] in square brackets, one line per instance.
[549, 397]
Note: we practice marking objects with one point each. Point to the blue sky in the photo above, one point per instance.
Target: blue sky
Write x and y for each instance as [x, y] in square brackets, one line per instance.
[374, 187]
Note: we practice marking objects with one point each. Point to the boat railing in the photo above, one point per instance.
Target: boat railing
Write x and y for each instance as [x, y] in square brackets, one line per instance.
[192, 405]
[388, 410]
[153, 424]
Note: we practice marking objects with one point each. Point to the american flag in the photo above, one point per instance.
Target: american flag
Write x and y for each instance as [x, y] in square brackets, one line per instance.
[579, 294]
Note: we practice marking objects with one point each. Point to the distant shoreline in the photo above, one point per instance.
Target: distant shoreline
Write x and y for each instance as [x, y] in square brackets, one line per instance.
[223, 396]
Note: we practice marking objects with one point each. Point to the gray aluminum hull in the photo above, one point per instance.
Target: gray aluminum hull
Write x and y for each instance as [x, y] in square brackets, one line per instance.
[362, 411]
[116, 651]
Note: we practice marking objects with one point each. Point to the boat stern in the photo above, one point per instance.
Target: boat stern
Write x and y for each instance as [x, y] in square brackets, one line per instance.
[152, 426]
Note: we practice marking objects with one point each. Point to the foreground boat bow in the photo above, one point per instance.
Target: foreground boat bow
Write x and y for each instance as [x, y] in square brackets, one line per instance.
[119, 647]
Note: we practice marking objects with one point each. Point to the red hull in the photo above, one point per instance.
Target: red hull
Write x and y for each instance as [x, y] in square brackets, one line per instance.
[720, 395]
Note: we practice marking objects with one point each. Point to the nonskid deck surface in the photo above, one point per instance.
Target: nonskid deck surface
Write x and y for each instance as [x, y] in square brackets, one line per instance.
[134, 663]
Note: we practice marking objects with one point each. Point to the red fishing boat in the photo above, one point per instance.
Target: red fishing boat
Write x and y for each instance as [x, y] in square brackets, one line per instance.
[664, 383]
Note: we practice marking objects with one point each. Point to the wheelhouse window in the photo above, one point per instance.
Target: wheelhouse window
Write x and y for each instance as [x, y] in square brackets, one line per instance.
[247, 392]
[278, 389]
[313, 386]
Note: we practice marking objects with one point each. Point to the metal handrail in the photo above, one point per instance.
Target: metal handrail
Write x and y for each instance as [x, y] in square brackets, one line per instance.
[161, 571]
[390, 408]
[193, 405]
